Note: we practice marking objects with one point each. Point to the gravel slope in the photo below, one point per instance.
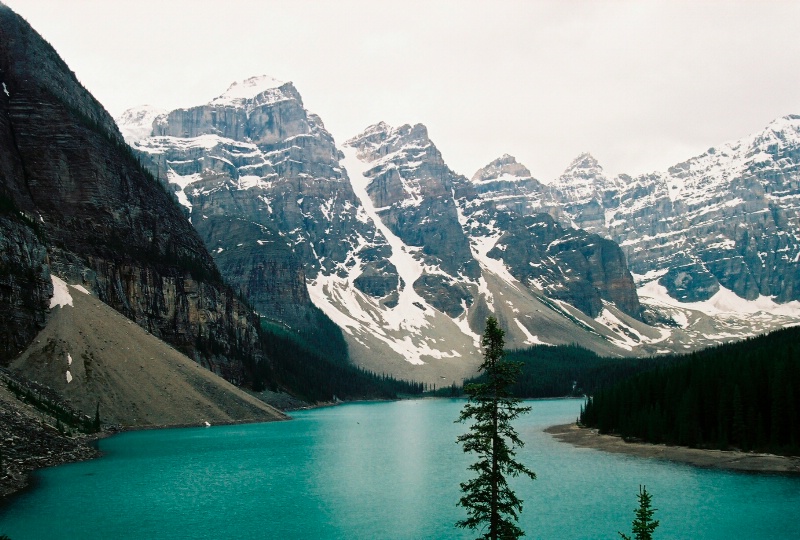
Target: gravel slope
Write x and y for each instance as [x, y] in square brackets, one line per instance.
[91, 354]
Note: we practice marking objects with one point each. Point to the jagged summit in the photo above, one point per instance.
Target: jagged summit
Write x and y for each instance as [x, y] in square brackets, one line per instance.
[505, 167]
[383, 133]
[584, 161]
[583, 180]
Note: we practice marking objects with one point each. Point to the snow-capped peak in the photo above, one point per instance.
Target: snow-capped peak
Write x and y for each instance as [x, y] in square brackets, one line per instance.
[247, 89]
[781, 131]
[136, 123]
[584, 161]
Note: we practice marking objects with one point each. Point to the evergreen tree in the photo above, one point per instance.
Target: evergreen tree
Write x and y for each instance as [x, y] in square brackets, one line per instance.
[643, 524]
[489, 500]
[97, 426]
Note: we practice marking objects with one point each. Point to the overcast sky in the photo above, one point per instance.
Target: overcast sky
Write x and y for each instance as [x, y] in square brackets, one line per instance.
[640, 85]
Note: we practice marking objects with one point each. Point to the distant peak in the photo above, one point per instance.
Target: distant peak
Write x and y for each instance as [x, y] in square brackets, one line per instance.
[791, 121]
[419, 131]
[505, 165]
[248, 89]
[584, 161]
[136, 123]
[373, 133]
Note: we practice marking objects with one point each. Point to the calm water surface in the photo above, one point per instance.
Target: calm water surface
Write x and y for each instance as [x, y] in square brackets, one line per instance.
[377, 471]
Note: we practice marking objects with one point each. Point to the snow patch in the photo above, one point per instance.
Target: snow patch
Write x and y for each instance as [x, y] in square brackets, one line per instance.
[408, 268]
[136, 124]
[405, 328]
[69, 377]
[627, 337]
[80, 288]
[61, 296]
[530, 339]
[5, 89]
[724, 302]
[249, 181]
[247, 89]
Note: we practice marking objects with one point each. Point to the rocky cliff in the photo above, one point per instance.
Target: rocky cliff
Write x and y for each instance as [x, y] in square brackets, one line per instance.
[411, 188]
[78, 204]
[372, 234]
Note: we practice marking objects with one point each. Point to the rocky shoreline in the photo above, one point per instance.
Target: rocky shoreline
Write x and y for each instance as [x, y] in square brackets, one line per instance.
[28, 444]
[709, 459]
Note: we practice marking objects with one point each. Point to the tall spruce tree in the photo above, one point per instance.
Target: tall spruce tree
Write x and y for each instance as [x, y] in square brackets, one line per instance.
[643, 524]
[490, 503]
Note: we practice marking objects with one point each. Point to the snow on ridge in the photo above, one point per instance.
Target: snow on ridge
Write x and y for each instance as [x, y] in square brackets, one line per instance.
[81, 288]
[61, 296]
[247, 89]
[136, 123]
[207, 141]
[183, 182]
[406, 328]
[724, 302]
[530, 339]
[408, 268]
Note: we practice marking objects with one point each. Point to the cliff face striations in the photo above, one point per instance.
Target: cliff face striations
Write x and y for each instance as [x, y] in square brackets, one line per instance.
[83, 208]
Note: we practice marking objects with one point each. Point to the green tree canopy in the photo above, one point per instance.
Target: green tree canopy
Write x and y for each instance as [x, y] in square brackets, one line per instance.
[643, 524]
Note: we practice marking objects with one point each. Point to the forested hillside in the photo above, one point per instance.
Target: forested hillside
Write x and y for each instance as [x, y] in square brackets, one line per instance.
[742, 395]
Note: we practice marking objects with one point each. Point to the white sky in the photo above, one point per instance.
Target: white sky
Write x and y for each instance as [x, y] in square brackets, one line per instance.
[640, 85]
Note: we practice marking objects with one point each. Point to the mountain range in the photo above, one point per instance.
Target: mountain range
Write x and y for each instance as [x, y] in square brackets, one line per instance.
[239, 229]
[407, 257]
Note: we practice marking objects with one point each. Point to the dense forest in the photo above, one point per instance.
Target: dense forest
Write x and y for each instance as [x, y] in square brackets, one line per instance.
[302, 370]
[742, 395]
[568, 370]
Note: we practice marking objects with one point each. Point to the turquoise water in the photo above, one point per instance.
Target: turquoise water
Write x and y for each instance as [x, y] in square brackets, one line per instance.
[377, 471]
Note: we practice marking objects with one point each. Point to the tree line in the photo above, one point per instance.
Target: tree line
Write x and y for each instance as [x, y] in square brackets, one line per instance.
[301, 369]
[742, 395]
[569, 370]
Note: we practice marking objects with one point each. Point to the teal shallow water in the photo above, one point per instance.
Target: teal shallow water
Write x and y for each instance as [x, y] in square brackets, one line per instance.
[377, 471]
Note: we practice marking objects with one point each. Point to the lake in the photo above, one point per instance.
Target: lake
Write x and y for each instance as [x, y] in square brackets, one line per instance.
[378, 471]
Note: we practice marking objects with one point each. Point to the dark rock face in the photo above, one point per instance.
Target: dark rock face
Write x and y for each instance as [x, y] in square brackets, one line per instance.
[729, 217]
[104, 221]
[261, 180]
[504, 204]
[25, 286]
[267, 272]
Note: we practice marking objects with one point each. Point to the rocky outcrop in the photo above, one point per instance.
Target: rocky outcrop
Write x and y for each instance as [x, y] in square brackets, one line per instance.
[102, 219]
[29, 441]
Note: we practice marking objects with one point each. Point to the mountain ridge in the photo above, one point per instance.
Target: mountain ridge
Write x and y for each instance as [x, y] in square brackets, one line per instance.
[433, 238]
